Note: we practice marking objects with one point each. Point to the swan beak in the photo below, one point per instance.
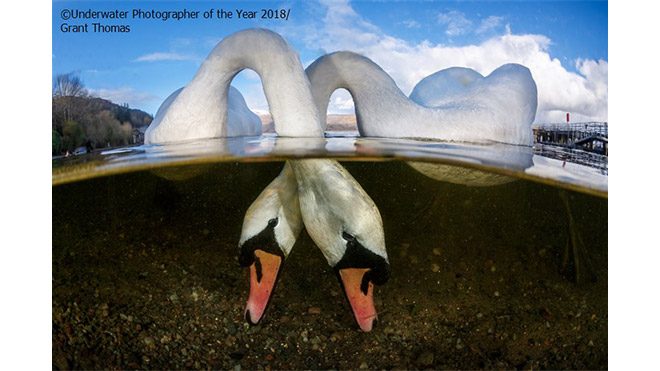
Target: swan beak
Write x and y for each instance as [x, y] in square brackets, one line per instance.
[362, 303]
[263, 277]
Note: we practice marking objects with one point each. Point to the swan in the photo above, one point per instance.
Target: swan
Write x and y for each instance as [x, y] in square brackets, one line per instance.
[353, 232]
[271, 226]
[456, 104]
[497, 108]
[441, 88]
[200, 109]
[240, 119]
[346, 226]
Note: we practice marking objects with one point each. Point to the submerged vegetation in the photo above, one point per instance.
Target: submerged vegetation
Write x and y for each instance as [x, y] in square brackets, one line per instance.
[80, 119]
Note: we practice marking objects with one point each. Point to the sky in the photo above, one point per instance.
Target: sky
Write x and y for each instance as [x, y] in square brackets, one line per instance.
[563, 43]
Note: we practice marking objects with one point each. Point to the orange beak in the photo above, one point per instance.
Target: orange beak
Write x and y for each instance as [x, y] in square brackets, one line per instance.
[362, 303]
[263, 277]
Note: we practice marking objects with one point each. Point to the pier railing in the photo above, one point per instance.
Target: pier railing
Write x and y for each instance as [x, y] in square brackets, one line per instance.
[588, 136]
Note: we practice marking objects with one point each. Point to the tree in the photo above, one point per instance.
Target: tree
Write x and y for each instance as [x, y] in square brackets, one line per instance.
[57, 143]
[69, 85]
[73, 135]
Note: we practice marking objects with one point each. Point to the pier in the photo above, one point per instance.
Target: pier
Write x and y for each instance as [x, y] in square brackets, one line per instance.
[587, 136]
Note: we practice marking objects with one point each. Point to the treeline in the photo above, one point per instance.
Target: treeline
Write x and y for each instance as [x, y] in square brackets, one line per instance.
[82, 120]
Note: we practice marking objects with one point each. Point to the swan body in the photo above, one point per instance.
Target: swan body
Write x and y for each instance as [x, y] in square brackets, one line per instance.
[497, 108]
[240, 119]
[200, 110]
[440, 88]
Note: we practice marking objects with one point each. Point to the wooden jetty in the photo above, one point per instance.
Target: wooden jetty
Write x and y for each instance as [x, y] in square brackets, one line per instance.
[587, 136]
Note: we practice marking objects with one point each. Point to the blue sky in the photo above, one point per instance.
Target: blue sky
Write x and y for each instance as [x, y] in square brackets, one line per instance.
[564, 43]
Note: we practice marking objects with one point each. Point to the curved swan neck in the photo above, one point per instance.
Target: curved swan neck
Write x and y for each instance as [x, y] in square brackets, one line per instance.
[200, 110]
[498, 108]
[372, 88]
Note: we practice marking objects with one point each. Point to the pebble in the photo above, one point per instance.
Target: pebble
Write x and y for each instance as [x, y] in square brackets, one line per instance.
[425, 359]
[437, 251]
[364, 366]
[314, 310]
[435, 268]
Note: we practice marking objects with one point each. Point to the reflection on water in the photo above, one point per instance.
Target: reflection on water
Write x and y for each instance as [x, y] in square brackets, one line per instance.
[575, 156]
[585, 174]
[145, 270]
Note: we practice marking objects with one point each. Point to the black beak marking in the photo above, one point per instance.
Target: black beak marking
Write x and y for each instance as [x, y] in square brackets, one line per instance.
[258, 268]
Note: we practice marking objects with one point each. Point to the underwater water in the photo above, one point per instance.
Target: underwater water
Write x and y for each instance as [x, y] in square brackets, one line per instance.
[146, 273]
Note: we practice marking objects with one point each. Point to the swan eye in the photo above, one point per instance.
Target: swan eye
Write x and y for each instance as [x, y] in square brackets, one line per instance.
[349, 238]
[272, 222]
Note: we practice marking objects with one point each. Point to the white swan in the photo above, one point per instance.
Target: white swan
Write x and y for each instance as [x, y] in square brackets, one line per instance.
[240, 119]
[200, 110]
[270, 228]
[271, 225]
[452, 104]
[496, 108]
[347, 227]
[439, 89]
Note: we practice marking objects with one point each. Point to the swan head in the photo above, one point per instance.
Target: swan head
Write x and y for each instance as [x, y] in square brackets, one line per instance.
[346, 225]
[270, 229]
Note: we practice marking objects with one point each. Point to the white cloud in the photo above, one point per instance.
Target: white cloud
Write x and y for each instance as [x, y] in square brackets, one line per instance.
[164, 56]
[125, 94]
[584, 93]
[456, 22]
[411, 23]
[489, 23]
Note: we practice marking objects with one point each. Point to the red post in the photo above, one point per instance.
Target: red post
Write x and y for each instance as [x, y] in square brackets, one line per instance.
[568, 117]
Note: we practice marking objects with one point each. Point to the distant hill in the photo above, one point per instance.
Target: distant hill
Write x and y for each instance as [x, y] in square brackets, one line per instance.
[335, 123]
[95, 123]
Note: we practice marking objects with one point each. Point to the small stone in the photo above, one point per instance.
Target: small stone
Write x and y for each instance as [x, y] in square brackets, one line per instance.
[206, 232]
[425, 359]
[364, 366]
[497, 293]
[314, 310]
[174, 298]
[479, 315]
[591, 343]
[435, 268]
[437, 251]
[194, 295]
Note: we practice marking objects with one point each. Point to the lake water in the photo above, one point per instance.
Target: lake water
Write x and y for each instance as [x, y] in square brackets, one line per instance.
[513, 275]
